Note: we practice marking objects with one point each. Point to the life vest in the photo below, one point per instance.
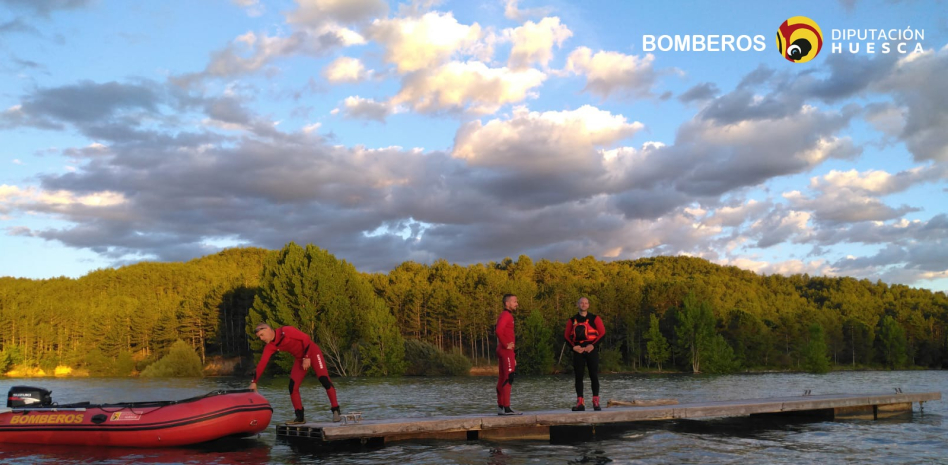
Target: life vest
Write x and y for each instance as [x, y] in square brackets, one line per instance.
[585, 330]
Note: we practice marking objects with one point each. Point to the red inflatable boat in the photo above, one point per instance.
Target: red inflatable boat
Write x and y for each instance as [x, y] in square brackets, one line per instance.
[31, 418]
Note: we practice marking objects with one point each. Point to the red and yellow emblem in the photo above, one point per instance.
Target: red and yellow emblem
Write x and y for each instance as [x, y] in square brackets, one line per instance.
[125, 416]
[799, 39]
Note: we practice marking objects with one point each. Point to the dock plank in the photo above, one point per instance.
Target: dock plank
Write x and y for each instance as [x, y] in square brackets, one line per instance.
[536, 424]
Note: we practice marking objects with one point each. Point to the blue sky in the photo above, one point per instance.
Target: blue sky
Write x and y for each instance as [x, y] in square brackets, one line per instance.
[471, 131]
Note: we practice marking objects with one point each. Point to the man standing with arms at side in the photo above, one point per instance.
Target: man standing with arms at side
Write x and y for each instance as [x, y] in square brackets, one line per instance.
[583, 333]
[505, 354]
[306, 352]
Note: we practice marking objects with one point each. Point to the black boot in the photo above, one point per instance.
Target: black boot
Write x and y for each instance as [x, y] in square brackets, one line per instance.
[299, 418]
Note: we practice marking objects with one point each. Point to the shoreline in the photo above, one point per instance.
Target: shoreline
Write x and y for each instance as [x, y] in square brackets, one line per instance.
[212, 371]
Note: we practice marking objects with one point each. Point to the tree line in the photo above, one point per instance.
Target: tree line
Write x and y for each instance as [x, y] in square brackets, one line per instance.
[664, 313]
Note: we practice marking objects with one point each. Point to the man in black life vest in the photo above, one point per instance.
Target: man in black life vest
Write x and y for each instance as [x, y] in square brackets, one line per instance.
[583, 333]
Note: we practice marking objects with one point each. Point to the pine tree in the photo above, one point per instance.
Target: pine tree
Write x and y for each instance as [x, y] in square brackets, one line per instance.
[534, 346]
[326, 298]
[815, 358]
[892, 343]
[695, 330]
[657, 346]
[719, 356]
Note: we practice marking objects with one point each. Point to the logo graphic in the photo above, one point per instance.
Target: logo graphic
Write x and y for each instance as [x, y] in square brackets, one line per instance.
[124, 416]
[799, 39]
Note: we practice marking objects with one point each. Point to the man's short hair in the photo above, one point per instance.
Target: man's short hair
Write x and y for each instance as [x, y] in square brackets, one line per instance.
[261, 326]
[507, 297]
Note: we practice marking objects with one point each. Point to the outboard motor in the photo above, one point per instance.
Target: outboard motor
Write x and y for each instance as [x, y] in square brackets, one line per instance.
[26, 396]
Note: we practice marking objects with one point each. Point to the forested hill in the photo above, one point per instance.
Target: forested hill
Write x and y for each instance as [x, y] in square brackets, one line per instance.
[140, 309]
[752, 321]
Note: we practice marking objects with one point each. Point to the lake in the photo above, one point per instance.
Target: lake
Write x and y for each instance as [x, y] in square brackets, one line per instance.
[919, 439]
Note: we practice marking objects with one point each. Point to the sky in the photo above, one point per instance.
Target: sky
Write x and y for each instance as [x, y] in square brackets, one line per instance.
[471, 131]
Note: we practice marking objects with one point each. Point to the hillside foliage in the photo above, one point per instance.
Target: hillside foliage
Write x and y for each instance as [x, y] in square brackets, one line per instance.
[668, 313]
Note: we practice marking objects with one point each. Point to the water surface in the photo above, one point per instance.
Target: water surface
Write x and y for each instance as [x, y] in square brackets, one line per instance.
[917, 439]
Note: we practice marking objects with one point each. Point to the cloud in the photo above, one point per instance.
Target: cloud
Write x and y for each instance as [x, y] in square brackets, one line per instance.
[914, 83]
[318, 29]
[788, 267]
[758, 76]
[699, 93]
[547, 141]
[58, 201]
[742, 105]
[28, 64]
[361, 108]
[850, 196]
[414, 44]
[317, 13]
[466, 86]
[345, 69]
[253, 7]
[878, 182]
[250, 53]
[716, 158]
[737, 215]
[919, 86]
[512, 11]
[535, 159]
[45, 7]
[886, 118]
[533, 42]
[17, 26]
[780, 226]
[176, 169]
[83, 104]
[130, 112]
[848, 5]
[835, 208]
[612, 72]
[910, 262]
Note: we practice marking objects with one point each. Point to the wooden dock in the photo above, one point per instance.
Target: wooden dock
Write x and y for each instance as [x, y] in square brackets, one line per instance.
[550, 424]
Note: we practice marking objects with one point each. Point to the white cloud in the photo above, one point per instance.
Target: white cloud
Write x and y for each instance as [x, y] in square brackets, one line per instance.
[852, 196]
[468, 86]
[34, 198]
[735, 216]
[362, 108]
[8, 192]
[317, 32]
[533, 42]
[786, 268]
[781, 225]
[251, 52]
[317, 13]
[612, 72]
[877, 182]
[413, 44]
[538, 142]
[345, 69]
[512, 11]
